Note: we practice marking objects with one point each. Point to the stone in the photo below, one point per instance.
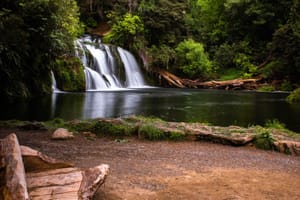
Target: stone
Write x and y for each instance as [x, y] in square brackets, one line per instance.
[288, 147]
[62, 134]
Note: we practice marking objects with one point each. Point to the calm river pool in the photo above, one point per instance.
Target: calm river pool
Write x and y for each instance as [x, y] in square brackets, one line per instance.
[217, 107]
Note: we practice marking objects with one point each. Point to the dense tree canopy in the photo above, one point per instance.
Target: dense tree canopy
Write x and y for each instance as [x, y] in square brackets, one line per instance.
[253, 37]
[33, 33]
[192, 38]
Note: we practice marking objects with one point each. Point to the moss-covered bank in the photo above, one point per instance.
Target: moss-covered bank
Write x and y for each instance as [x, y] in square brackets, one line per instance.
[273, 136]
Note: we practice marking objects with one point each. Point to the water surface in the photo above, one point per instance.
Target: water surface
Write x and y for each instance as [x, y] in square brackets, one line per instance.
[190, 105]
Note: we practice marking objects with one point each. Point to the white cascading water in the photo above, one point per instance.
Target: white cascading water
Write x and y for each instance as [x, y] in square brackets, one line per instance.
[102, 70]
[134, 76]
[54, 86]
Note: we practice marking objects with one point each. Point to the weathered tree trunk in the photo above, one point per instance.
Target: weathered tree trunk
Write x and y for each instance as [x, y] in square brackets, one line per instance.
[46, 178]
[228, 85]
[235, 84]
[66, 183]
[15, 187]
[35, 161]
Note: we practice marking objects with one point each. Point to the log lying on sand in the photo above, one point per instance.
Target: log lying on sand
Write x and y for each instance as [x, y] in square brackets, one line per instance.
[66, 183]
[14, 185]
[45, 178]
[35, 161]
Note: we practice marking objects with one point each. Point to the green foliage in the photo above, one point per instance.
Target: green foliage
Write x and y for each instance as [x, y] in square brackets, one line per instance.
[266, 88]
[33, 33]
[193, 60]
[162, 56]
[207, 21]
[113, 129]
[275, 123]
[125, 30]
[69, 74]
[144, 119]
[264, 140]
[286, 86]
[55, 123]
[176, 136]
[230, 74]
[294, 96]
[272, 70]
[81, 126]
[151, 132]
[285, 46]
[163, 21]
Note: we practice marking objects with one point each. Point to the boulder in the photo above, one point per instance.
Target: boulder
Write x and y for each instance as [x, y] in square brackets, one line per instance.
[288, 147]
[62, 134]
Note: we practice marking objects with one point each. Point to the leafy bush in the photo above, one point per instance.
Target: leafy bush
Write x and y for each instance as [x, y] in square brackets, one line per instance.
[125, 30]
[161, 56]
[275, 123]
[113, 129]
[294, 96]
[176, 136]
[193, 60]
[230, 74]
[150, 132]
[264, 140]
[224, 56]
[272, 70]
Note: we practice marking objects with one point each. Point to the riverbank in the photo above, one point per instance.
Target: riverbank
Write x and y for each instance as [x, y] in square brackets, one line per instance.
[142, 169]
[185, 161]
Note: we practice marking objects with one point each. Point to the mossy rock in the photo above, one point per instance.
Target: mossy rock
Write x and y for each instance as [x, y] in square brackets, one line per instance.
[69, 74]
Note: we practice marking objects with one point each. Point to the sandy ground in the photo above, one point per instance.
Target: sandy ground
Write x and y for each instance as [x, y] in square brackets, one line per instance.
[176, 170]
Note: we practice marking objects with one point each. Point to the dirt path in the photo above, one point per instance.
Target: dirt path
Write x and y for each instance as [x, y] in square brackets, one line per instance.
[176, 170]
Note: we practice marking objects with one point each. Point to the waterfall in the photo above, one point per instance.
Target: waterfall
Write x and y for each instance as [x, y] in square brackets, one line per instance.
[108, 66]
[133, 74]
[54, 86]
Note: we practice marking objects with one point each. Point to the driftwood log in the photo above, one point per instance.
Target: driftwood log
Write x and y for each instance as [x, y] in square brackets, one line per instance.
[167, 78]
[14, 185]
[66, 183]
[45, 177]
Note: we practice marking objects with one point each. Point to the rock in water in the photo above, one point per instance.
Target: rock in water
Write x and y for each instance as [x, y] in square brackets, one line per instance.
[62, 134]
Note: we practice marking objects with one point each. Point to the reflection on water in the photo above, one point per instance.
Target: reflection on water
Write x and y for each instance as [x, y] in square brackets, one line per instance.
[216, 107]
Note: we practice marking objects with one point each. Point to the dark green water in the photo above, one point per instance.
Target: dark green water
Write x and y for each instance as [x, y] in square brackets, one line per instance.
[213, 106]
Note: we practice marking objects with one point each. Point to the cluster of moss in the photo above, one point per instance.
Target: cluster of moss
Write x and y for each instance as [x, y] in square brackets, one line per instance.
[294, 96]
[69, 74]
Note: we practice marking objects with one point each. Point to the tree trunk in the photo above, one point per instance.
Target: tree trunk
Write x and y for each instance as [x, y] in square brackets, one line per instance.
[15, 187]
[46, 178]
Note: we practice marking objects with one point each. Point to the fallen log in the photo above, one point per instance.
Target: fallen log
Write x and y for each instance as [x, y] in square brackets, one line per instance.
[227, 85]
[14, 186]
[46, 177]
[235, 84]
[35, 161]
[66, 183]
[170, 78]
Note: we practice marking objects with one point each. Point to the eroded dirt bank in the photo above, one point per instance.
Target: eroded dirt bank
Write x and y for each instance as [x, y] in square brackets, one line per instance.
[176, 170]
